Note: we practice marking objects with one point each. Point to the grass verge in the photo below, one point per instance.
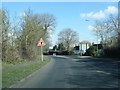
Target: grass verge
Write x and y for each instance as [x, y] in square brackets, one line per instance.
[10, 76]
[21, 61]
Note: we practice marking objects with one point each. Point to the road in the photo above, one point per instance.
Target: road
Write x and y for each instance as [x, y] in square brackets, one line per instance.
[73, 72]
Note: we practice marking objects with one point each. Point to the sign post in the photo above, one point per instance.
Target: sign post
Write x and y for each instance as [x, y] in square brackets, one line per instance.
[41, 43]
[41, 53]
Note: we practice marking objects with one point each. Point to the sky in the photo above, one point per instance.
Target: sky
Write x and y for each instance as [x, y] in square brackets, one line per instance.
[68, 15]
[60, 0]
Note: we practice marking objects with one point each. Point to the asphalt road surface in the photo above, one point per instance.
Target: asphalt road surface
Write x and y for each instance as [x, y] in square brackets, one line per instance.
[73, 72]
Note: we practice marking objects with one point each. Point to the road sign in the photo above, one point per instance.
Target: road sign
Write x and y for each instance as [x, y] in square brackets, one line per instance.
[41, 43]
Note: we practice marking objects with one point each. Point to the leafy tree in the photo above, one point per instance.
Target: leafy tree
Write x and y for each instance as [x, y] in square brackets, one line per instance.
[0, 36]
[5, 32]
[20, 37]
[61, 47]
[34, 27]
[55, 47]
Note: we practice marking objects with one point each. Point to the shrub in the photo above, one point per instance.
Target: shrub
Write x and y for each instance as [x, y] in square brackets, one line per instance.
[92, 51]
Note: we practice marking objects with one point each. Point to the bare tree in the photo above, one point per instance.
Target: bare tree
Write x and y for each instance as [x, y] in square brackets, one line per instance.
[68, 37]
[100, 30]
[48, 22]
[107, 30]
[114, 24]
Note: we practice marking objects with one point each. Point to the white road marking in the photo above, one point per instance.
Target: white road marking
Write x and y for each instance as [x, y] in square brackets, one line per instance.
[62, 56]
[103, 72]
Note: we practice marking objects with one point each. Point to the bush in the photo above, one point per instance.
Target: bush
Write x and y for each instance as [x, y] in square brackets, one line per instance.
[112, 52]
[92, 51]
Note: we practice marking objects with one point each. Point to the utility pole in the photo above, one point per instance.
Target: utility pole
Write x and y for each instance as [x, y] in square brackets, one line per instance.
[97, 43]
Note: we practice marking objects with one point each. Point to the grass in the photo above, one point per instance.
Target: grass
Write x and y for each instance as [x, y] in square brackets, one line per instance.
[0, 80]
[20, 61]
[7, 63]
[11, 76]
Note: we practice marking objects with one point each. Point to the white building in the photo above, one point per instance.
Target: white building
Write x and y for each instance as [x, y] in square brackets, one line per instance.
[83, 46]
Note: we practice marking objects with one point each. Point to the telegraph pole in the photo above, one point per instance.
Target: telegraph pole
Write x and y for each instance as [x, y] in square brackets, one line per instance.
[97, 43]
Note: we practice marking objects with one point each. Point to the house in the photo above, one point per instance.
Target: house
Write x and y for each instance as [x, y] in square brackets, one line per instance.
[82, 47]
[78, 51]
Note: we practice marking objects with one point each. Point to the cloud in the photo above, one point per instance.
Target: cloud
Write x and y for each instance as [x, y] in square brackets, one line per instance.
[111, 10]
[98, 28]
[96, 15]
[90, 27]
[101, 13]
